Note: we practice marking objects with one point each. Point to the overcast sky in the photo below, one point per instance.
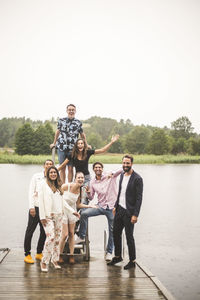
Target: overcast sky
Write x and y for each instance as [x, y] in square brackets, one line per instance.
[137, 60]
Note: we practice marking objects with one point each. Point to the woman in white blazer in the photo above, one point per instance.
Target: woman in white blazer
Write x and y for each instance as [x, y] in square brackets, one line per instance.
[51, 208]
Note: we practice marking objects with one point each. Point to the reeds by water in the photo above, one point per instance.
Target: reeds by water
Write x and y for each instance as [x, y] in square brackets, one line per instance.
[111, 158]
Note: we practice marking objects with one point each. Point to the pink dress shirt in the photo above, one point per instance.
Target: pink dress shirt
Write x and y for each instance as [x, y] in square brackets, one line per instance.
[106, 190]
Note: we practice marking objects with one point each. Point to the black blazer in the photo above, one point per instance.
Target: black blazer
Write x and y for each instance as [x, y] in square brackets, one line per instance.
[134, 192]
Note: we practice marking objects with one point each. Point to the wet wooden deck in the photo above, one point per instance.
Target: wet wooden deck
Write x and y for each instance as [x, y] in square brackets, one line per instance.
[83, 280]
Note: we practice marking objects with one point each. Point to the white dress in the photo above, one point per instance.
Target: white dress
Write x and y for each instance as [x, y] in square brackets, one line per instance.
[71, 199]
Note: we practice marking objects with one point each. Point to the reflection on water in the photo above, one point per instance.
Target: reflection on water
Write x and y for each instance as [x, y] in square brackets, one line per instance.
[167, 233]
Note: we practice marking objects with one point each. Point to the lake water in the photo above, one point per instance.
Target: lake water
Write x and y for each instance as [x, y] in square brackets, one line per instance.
[167, 233]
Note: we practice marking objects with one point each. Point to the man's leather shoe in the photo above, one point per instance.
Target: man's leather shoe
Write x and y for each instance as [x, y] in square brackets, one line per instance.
[130, 264]
[114, 261]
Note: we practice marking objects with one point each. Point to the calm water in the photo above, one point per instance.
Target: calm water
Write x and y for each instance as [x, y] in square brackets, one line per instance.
[167, 234]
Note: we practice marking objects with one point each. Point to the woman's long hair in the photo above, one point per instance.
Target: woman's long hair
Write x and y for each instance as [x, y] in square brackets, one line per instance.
[55, 185]
[75, 150]
[81, 187]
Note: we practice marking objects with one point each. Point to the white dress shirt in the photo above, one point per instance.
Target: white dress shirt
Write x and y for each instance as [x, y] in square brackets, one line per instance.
[122, 198]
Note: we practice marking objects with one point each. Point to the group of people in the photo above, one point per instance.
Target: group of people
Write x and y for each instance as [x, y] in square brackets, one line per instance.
[56, 206]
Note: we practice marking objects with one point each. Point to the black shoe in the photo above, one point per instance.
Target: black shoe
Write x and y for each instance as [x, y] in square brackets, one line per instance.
[130, 264]
[114, 261]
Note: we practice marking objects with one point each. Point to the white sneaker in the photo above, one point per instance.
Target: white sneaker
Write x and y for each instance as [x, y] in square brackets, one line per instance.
[108, 256]
[78, 240]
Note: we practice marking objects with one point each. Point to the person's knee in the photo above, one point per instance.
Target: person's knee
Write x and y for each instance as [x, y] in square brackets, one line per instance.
[84, 217]
[71, 234]
[70, 168]
[64, 236]
[51, 238]
[130, 240]
[70, 171]
[29, 232]
[110, 223]
[111, 228]
[115, 232]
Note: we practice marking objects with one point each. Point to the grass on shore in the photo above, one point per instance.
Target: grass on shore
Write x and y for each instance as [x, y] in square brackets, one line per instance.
[108, 158]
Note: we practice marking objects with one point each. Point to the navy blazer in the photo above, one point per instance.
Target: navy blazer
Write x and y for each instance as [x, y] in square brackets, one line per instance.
[134, 192]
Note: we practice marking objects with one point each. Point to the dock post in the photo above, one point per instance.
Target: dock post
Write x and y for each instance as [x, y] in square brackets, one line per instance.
[53, 154]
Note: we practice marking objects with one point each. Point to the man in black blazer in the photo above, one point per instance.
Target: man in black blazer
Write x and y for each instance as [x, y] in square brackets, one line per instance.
[126, 211]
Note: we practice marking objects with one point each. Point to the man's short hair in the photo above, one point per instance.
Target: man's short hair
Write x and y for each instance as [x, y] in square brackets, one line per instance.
[71, 105]
[48, 160]
[97, 163]
[128, 156]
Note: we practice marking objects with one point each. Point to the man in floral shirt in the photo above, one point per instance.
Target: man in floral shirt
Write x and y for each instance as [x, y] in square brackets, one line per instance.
[67, 133]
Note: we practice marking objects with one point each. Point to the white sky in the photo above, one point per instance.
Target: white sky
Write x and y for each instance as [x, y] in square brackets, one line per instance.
[136, 59]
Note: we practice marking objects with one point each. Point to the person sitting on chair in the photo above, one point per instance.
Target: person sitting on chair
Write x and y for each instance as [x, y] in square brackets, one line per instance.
[106, 189]
[72, 196]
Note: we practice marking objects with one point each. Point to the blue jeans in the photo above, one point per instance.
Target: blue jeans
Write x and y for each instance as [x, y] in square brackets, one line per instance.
[92, 212]
[87, 180]
[62, 155]
[84, 198]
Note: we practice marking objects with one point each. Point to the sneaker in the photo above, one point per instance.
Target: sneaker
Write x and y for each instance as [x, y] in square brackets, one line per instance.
[114, 261]
[28, 259]
[130, 264]
[108, 256]
[39, 256]
[78, 240]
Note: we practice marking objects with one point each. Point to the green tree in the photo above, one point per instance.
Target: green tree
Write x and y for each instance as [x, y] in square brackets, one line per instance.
[193, 146]
[101, 126]
[136, 140]
[158, 143]
[94, 140]
[179, 146]
[43, 137]
[116, 147]
[24, 140]
[122, 127]
[8, 128]
[182, 127]
[170, 141]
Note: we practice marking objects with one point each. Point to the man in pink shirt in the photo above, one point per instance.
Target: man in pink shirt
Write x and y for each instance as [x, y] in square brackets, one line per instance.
[106, 189]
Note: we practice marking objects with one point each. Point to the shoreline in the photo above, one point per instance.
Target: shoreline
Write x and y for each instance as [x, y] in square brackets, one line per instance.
[108, 158]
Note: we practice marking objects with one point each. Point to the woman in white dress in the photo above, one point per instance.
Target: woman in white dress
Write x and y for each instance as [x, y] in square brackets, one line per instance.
[72, 196]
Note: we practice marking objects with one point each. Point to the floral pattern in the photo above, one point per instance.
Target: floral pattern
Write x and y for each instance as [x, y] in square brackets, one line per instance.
[53, 230]
[69, 132]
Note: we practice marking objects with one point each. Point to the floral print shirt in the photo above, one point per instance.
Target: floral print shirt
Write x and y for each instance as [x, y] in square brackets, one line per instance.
[69, 132]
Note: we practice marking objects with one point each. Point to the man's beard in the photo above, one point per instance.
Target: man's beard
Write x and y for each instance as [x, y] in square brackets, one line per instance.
[126, 169]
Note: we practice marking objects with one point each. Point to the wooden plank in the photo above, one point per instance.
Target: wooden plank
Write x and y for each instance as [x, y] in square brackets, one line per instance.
[3, 253]
[83, 280]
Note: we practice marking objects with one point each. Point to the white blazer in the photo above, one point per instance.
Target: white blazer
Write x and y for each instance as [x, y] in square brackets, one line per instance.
[45, 202]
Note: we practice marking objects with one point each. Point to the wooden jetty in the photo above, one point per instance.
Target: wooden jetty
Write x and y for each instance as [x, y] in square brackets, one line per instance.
[91, 279]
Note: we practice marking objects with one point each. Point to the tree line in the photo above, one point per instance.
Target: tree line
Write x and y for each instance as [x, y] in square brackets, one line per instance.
[33, 137]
